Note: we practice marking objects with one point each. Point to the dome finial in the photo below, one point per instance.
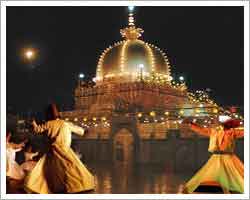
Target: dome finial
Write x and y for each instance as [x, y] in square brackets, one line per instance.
[131, 32]
[131, 19]
[131, 8]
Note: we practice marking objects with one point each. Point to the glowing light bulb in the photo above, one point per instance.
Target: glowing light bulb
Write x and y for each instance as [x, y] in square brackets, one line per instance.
[215, 110]
[152, 113]
[166, 113]
[181, 78]
[81, 75]
[131, 8]
[141, 66]
[197, 110]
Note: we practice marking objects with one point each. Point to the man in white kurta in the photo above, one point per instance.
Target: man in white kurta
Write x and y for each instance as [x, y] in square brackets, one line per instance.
[13, 170]
[59, 170]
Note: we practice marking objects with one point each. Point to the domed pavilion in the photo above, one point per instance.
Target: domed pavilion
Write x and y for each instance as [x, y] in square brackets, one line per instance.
[128, 73]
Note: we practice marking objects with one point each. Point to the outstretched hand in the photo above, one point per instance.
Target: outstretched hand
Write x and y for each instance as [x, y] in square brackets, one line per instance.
[22, 144]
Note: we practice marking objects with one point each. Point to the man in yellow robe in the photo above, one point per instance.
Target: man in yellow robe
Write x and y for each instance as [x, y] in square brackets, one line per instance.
[224, 168]
[59, 170]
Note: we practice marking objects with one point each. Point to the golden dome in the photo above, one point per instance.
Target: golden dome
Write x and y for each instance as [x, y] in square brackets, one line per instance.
[132, 56]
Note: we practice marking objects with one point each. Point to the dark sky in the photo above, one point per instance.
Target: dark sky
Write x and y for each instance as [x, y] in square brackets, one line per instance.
[205, 44]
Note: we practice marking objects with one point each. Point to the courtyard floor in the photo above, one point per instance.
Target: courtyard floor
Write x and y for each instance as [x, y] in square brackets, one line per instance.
[127, 178]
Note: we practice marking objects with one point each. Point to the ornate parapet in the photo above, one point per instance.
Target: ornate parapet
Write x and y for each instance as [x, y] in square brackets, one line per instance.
[125, 94]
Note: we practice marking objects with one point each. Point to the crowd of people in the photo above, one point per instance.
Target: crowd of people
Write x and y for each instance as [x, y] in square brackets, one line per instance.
[14, 170]
[60, 169]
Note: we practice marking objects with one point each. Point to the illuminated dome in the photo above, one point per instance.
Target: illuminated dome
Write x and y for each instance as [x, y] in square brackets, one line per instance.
[132, 56]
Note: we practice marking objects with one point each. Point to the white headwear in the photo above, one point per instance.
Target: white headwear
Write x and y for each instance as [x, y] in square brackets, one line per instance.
[224, 118]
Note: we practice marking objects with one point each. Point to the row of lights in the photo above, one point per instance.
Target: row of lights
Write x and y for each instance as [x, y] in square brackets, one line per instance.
[181, 112]
[95, 124]
[140, 67]
[200, 97]
[153, 114]
[205, 122]
[85, 119]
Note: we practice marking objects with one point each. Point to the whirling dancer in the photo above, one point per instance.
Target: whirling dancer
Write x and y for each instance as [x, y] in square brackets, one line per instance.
[29, 163]
[13, 170]
[223, 169]
[59, 170]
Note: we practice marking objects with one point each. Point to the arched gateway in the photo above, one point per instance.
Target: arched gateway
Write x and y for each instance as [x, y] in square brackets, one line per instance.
[124, 140]
[123, 146]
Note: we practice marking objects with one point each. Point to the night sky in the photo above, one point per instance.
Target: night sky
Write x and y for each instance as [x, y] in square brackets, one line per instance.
[205, 44]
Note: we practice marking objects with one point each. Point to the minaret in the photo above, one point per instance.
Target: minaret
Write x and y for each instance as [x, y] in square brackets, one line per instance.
[131, 32]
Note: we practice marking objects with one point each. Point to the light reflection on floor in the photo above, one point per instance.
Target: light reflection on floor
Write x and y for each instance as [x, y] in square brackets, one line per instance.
[125, 178]
[119, 178]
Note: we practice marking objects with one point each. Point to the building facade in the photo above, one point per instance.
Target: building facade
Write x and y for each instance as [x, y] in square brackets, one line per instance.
[134, 109]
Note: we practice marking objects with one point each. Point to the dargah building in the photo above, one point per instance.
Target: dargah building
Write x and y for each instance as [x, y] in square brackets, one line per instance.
[134, 109]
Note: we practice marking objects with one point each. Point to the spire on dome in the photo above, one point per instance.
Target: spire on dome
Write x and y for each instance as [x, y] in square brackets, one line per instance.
[131, 19]
[131, 32]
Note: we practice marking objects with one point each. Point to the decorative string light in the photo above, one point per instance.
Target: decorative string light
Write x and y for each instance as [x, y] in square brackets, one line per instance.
[166, 113]
[151, 57]
[152, 113]
[123, 55]
[197, 110]
[181, 112]
[139, 114]
[215, 110]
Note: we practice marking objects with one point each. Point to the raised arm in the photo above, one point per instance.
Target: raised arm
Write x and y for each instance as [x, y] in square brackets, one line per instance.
[16, 147]
[238, 132]
[34, 154]
[200, 130]
[76, 129]
[39, 128]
